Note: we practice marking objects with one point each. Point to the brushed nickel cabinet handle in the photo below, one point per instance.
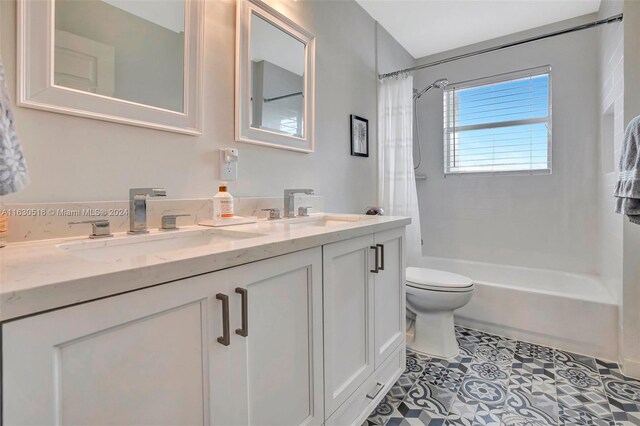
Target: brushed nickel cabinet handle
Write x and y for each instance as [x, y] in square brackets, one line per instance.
[377, 259]
[225, 339]
[381, 256]
[376, 391]
[244, 331]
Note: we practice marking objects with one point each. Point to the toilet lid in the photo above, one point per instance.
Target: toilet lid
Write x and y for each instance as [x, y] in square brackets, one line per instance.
[432, 279]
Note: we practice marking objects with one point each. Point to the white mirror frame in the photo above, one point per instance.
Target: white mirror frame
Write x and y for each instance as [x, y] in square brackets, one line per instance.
[36, 88]
[244, 131]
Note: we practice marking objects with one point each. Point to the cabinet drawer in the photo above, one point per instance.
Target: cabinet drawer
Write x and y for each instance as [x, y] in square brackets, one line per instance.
[358, 406]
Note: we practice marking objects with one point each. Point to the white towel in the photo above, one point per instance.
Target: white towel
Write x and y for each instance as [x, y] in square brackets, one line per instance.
[13, 168]
[628, 187]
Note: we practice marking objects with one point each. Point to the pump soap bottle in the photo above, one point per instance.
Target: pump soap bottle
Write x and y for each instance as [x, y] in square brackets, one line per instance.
[222, 203]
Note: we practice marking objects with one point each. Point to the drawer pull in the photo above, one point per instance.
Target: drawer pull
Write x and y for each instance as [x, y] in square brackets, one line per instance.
[381, 256]
[376, 391]
[225, 339]
[376, 262]
[244, 331]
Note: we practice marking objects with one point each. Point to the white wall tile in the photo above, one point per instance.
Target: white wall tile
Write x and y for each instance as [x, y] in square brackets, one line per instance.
[548, 222]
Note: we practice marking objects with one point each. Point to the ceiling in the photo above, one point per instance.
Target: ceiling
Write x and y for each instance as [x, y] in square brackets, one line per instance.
[426, 27]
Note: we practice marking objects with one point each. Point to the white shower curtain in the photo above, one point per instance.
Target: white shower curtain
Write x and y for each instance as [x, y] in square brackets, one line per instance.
[397, 193]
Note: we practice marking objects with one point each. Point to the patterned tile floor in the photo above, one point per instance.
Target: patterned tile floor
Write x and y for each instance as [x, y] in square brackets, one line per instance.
[499, 381]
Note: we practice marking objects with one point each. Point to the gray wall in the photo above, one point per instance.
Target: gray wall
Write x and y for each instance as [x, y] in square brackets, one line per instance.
[548, 221]
[148, 58]
[73, 158]
[391, 55]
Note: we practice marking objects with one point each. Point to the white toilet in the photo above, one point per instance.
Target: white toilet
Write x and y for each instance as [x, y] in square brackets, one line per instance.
[432, 296]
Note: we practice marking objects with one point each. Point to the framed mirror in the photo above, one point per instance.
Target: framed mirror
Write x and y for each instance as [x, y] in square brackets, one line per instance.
[275, 61]
[128, 61]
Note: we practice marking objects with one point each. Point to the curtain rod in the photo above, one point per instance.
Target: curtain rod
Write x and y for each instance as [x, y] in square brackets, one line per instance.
[611, 19]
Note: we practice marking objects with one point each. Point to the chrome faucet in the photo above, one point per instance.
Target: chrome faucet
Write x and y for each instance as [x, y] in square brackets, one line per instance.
[288, 200]
[138, 207]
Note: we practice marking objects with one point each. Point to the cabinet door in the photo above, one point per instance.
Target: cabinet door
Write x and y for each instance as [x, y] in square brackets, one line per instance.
[348, 318]
[389, 293]
[137, 358]
[282, 350]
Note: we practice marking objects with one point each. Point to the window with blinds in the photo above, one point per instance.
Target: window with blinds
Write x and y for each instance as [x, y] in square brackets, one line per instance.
[499, 124]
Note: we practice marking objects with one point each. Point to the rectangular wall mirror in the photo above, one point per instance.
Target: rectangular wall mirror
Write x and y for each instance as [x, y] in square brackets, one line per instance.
[274, 79]
[129, 61]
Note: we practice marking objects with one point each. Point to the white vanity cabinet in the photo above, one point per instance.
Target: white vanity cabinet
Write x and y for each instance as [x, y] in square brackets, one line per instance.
[349, 317]
[312, 337]
[364, 305]
[137, 358]
[390, 299]
[280, 381]
[153, 356]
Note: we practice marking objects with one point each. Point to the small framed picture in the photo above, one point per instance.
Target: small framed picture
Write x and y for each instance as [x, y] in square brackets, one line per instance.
[359, 136]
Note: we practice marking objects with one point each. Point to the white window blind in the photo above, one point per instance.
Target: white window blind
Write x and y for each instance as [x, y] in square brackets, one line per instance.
[499, 124]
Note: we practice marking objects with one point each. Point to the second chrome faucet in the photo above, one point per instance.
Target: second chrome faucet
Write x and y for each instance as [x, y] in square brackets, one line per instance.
[289, 198]
[138, 207]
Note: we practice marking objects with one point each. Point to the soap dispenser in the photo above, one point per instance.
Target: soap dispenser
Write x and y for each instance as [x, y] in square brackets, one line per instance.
[222, 203]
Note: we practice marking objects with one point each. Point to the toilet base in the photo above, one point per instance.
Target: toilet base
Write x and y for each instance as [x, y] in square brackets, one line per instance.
[435, 335]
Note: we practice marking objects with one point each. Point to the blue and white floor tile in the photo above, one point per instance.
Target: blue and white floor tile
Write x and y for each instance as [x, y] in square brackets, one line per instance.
[500, 381]
[623, 393]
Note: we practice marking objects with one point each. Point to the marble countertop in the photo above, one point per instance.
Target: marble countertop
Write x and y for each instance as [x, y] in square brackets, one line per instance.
[40, 276]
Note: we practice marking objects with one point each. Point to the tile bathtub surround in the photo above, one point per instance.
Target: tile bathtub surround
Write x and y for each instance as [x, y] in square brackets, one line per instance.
[42, 221]
[500, 381]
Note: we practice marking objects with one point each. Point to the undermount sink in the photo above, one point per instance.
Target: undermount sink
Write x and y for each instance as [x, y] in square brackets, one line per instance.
[141, 245]
[328, 220]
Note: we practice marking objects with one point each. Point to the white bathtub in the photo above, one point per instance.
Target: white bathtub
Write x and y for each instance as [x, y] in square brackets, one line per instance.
[568, 311]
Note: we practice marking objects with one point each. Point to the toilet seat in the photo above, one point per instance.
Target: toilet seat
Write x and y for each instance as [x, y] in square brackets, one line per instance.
[435, 280]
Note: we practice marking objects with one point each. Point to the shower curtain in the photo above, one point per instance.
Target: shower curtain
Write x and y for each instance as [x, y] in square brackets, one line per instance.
[397, 193]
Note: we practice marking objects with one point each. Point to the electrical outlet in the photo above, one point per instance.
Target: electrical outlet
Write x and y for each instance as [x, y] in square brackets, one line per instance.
[228, 169]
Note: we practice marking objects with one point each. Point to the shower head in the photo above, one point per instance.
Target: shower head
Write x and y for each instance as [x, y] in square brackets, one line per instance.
[440, 84]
